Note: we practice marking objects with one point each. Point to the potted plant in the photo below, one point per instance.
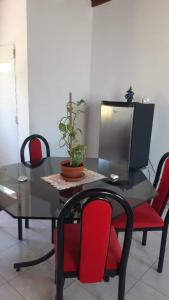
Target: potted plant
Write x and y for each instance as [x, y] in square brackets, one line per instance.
[72, 168]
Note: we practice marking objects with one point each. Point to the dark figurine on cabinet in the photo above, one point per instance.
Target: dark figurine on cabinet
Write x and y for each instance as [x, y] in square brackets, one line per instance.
[129, 95]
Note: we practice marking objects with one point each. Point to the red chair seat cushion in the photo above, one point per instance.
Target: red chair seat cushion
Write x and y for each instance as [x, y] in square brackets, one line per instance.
[144, 217]
[72, 249]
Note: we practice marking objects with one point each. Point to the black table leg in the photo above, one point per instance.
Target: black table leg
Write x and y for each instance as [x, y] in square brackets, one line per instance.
[20, 229]
[26, 223]
[34, 262]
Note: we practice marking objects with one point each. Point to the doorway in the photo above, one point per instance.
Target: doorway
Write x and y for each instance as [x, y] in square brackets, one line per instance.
[8, 107]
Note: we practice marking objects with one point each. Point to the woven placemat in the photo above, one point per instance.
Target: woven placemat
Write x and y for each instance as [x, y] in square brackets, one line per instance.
[57, 181]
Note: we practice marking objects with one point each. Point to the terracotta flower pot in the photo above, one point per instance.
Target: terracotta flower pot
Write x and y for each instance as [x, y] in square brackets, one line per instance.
[71, 172]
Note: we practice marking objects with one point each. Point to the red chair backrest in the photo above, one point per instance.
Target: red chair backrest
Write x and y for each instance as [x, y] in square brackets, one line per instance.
[35, 151]
[95, 234]
[160, 200]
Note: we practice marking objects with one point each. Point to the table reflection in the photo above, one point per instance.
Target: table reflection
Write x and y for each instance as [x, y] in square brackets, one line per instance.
[36, 198]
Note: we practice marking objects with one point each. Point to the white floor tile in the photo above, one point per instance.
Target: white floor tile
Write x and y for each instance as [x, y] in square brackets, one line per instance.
[143, 292]
[76, 292]
[17, 253]
[6, 219]
[2, 280]
[167, 255]
[159, 282]
[107, 290]
[7, 240]
[39, 224]
[39, 244]
[9, 293]
[102, 290]
[140, 260]
[153, 241]
[36, 284]
[28, 233]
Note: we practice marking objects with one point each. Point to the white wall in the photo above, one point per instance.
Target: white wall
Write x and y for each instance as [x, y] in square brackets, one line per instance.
[131, 47]
[13, 30]
[59, 60]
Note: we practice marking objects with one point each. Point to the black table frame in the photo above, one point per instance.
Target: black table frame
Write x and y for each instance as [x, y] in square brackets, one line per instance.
[107, 183]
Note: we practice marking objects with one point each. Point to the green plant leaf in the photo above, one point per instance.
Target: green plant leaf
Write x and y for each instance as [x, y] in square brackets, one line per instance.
[69, 132]
[69, 127]
[62, 127]
[81, 111]
[80, 102]
[78, 129]
[62, 143]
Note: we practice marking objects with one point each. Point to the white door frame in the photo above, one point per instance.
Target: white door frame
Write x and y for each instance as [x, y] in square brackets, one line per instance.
[13, 60]
[21, 91]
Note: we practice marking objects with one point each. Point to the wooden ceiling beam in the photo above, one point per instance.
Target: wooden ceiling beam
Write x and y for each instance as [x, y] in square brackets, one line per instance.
[99, 2]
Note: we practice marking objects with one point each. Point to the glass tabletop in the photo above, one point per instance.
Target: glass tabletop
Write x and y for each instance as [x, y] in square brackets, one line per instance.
[37, 199]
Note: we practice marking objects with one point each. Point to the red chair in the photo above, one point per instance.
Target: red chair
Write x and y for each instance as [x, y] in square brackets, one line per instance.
[90, 250]
[148, 216]
[35, 150]
[36, 159]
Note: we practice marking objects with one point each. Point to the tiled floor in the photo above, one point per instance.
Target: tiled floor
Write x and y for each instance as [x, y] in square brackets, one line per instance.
[37, 283]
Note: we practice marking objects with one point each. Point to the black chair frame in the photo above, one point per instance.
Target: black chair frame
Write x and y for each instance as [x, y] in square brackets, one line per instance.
[29, 165]
[166, 220]
[29, 138]
[85, 195]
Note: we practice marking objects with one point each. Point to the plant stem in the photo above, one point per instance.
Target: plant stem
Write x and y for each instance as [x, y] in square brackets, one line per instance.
[71, 120]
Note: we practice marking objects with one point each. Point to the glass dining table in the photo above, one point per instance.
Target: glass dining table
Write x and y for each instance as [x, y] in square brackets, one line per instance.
[37, 199]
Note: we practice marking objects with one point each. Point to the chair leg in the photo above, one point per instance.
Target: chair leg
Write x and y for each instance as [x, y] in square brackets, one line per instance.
[52, 231]
[55, 278]
[121, 290]
[117, 233]
[59, 288]
[20, 237]
[144, 240]
[106, 278]
[27, 223]
[162, 249]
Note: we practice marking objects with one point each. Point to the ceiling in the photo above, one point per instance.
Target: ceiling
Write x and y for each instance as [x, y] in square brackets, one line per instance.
[98, 2]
